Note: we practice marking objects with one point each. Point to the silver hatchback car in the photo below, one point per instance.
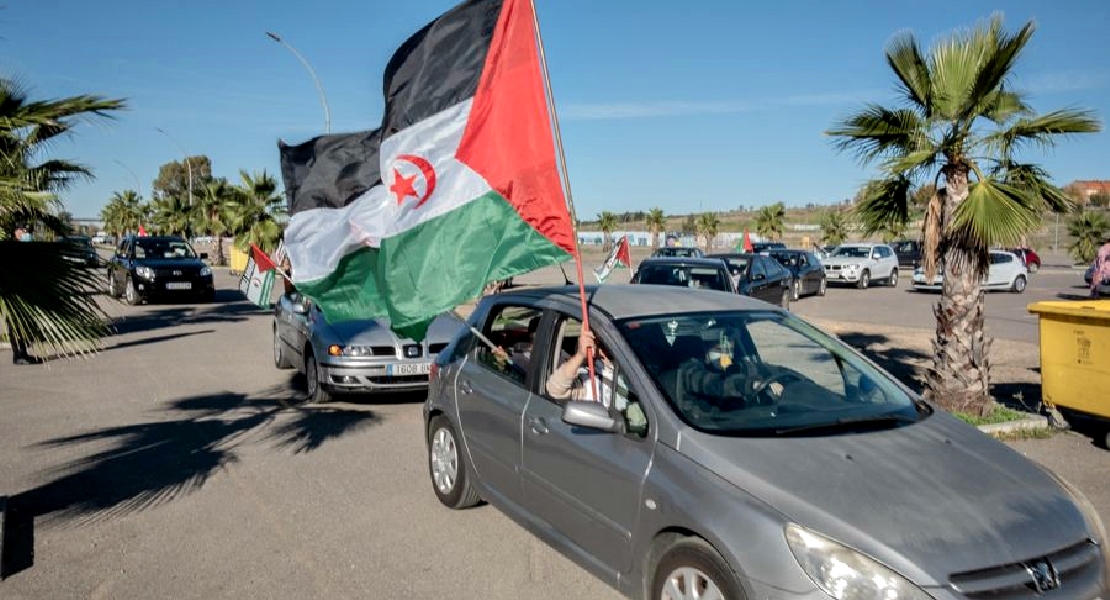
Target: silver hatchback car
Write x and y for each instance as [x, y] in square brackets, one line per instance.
[739, 452]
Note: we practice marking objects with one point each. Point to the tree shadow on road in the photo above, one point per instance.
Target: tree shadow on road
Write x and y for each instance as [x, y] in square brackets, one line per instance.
[173, 316]
[134, 467]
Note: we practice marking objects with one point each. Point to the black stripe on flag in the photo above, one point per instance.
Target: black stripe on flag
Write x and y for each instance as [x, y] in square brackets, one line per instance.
[439, 66]
[330, 171]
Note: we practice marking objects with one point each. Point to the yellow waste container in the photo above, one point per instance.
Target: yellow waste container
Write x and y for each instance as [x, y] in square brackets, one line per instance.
[1075, 357]
[237, 261]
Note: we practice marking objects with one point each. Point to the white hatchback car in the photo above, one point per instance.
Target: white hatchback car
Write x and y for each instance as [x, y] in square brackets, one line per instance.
[1006, 272]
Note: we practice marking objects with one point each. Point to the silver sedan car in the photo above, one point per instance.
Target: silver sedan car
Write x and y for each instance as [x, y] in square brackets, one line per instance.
[358, 356]
[739, 452]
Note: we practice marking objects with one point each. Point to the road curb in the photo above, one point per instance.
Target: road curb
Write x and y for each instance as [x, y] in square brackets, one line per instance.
[1032, 422]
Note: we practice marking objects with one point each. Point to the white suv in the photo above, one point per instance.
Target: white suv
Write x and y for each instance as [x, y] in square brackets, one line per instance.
[860, 264]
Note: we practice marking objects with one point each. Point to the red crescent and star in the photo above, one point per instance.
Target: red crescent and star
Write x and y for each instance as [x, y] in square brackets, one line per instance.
[403, 186]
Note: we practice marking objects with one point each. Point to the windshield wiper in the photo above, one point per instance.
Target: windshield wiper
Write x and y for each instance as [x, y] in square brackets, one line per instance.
[850, 423]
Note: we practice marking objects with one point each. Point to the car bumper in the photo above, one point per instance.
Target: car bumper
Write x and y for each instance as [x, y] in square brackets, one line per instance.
[399, 376]
[195, 287]
[842, 276]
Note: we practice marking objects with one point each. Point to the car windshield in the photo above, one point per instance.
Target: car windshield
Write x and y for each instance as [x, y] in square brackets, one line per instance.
[679, 252]
[906, 247]
[684, 275]
[760, 372]
[852, 252]
[163, 249]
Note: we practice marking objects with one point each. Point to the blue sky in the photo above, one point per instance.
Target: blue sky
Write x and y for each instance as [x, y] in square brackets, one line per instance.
[703, 105]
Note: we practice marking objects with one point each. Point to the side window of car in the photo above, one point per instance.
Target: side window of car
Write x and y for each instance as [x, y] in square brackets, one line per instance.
[758, 267]
[511, 329]
[611, 384]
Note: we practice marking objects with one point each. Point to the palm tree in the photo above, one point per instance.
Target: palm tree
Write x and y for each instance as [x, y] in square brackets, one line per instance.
[212, 210]
[834, 227]
[769, 221]
[656, 223]
[124, 212]
[171, 214]
[1087, 228]
[962, 123]
[44, 298]
[607, 221]
[708, 226]
[253, 217]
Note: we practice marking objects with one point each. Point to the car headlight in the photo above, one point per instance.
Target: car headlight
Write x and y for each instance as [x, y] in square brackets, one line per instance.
[144, 272]
[205, 271]
[337, 350]
[846, 574]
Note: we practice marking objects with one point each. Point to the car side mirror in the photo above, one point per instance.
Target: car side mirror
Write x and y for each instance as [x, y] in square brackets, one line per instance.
[300, 307]
[204, 256]
[875, 256]
[589, 414]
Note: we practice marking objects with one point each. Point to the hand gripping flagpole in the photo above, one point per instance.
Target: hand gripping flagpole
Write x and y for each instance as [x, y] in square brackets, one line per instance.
[550, 97]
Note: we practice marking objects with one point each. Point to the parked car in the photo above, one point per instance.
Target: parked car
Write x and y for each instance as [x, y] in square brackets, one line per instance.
[357, 356]
[808, 274]
[909, 254]
[861, 263]
[743, 453]
[761, 247]
[158, 267]
[79, 249]
[677, 252]
[1028, 256]
[702, 273]
[1006, 272]
[760, 277]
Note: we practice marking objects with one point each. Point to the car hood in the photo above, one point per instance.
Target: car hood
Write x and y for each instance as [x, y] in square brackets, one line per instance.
[372, 332]
[846, 260]
[930, 499]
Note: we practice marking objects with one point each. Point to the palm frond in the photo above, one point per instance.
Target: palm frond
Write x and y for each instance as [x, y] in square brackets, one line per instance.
[877, 131]
[48, 300]
[1036, 181]
[1003, 105]
[905, 59]
[1042, 130]
[1002, 51]
[994, 214]
[885, 202]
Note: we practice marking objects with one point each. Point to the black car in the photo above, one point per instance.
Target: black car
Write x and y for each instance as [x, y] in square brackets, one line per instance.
[79, 249]
[762, 247]
[909, 253]
[678, 252]
[759, 276]
[806, 270]
[700, 273]
[158, 267]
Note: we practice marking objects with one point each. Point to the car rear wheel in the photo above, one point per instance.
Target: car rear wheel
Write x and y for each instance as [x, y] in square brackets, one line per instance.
[822, 287]
[893, 280]
[131, 295]
[692, 569]
[317, 392]
[448, 468]
[113, 292]
[864, 280]
[785, 300]
[280, 361]
[797, 290]
[1019, 284]
[1033, 267]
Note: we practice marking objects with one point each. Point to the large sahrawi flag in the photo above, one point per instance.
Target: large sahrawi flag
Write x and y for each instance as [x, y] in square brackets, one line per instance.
[470, 187]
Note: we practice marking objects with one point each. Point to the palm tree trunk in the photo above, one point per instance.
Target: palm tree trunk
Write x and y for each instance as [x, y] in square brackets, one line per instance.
[960, 379]
[220, 259]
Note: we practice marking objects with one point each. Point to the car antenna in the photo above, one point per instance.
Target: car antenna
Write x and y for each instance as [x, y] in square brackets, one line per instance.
[566, 279]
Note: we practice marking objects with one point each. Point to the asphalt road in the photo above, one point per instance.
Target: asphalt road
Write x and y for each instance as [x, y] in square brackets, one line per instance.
[178, 464]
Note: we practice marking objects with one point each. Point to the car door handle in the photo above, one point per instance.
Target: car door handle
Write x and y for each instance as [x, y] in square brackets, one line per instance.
[465, 387]
[538, 425]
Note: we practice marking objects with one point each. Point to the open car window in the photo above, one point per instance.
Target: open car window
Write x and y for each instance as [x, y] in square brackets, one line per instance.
[754, 372]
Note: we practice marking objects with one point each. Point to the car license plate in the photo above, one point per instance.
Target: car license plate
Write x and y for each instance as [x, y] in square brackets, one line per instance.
[410, 369]
[183, 285]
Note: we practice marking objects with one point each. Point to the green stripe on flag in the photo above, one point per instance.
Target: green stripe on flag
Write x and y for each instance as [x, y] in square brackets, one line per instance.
[433, 267]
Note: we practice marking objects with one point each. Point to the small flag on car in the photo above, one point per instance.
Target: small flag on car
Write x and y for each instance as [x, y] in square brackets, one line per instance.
[257, 280]
[621, 256]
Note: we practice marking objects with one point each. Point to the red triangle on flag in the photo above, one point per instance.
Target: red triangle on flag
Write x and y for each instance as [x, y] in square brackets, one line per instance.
[142, 230]
[747, 242]
[261, 259]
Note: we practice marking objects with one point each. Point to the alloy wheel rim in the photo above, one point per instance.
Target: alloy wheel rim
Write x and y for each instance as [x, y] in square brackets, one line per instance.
[277, 348]
[445, 460]
[797, 289]
[688, 583]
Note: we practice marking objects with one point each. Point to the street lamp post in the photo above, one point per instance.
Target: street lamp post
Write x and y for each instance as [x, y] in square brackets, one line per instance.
[311, 73]
[189, 170]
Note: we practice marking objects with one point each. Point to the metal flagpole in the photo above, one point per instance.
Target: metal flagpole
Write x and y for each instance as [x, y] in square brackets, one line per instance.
[550, 97]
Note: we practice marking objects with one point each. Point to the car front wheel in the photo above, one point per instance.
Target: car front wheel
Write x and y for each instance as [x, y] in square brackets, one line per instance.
[797, 293]
[131, 295]
[1033, 267]
[692, 569]
[317, 392]
[823, 287]
[893, 281]
[864, 280]
[1019, 284]
[448, 468]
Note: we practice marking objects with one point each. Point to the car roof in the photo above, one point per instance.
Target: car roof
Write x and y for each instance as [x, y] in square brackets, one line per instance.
[159, 238]
[623, 301]
[734, 255]
[692, 261]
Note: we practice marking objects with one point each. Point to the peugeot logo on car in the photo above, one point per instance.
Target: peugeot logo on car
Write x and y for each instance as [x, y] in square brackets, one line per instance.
[1045, 576]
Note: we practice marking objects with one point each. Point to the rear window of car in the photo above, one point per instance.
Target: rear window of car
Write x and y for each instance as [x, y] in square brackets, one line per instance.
[683, 275]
